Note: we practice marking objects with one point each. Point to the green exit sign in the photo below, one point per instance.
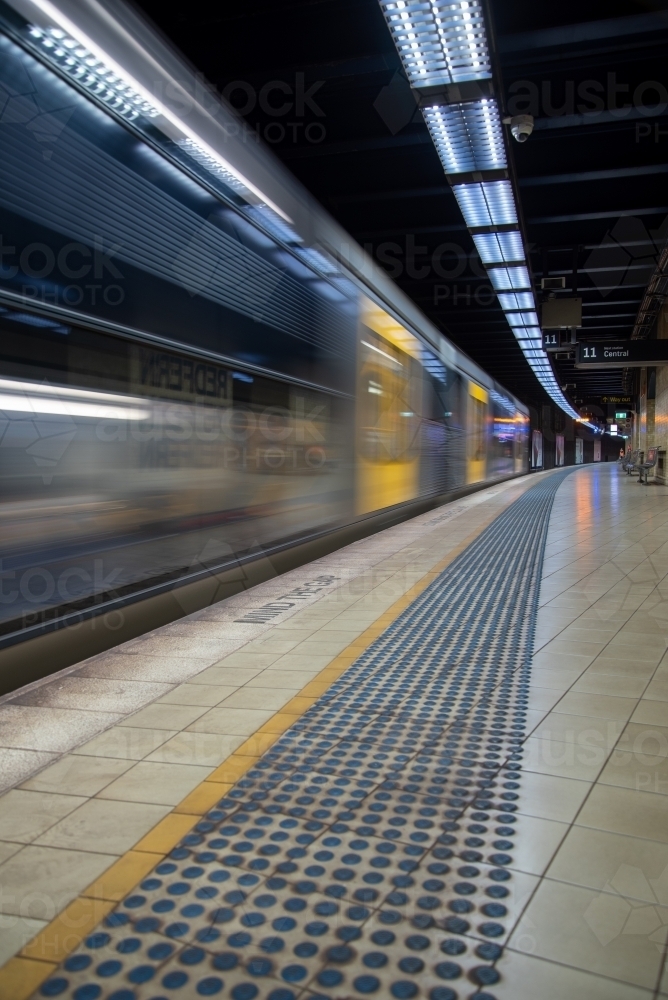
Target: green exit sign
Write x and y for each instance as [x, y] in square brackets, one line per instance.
[620, 416]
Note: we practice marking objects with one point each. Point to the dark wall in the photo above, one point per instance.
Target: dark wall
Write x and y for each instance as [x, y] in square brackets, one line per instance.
[550, 420]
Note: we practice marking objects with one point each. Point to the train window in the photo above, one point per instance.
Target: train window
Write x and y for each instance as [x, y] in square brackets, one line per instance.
[389, 401]
[478, 411]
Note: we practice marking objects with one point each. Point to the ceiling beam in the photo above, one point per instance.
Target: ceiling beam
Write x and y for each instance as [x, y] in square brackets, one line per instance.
[589, 31]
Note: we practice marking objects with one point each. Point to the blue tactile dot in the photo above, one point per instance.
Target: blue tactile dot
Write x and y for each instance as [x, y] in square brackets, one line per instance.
[54, 987]
[485, 975]
[76, 963]
[403, 989]
[89, 991]
[366, 984]
[492, 929]
[401, 679]
[209, 986]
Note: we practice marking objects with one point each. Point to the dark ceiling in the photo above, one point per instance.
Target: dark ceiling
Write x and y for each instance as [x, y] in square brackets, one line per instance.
[592, 178]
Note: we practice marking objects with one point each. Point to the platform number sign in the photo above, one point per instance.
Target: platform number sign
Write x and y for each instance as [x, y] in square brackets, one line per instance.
[551, 339]
[589, 352]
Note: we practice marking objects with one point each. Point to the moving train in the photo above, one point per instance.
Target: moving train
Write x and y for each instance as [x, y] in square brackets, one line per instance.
[199, 369]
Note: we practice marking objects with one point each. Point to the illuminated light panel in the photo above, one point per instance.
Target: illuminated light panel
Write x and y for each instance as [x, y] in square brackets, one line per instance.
[505, 279]
[487, 203]
[499, 248]
[467, 136]
[439, 41]
[516, 300]
[93, 73]
[212, 164]
[273, 223]
[522, 319]
[115, 87]
[33, 397]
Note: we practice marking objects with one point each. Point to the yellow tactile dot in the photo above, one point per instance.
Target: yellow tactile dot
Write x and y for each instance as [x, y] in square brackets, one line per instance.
[20, 977]
[123, 875]
[68, 930]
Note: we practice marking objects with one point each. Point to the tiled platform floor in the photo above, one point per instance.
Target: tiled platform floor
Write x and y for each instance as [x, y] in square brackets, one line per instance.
[593, 789]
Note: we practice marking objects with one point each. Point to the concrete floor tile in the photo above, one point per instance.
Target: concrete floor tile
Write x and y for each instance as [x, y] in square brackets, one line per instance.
[206, 695]
[231, 721]
[17, 931]
[570, 759]
[596, 706]
[626, 811]
[76, 774]
[543, 699]
[579, 729]
[526, 977]
[644, 741]
[536, 843]
[24, 815]
[104, 826]
[262, 698]
[638, 770]
[206, 749]
[611, 862]
[657, 689]
[292, 680]
[7, 849]
[611, 666]
[596, 932]
[39, 882]
[623, 686]
[125, 742]
[651, 713]
[226, 676]
[252, 660]
[156, 716]
[156, 782]
[548, 796]
[310, 661]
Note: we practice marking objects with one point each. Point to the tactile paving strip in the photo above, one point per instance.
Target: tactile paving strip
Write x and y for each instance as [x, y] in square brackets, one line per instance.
[367, 854]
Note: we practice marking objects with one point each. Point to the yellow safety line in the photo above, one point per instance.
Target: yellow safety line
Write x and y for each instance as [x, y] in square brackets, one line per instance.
[35, 962]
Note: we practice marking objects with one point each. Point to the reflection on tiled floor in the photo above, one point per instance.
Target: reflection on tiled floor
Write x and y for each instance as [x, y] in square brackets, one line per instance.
[370, 850]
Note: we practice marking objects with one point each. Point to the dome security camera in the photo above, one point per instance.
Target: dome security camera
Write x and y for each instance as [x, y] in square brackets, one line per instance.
[521, 126]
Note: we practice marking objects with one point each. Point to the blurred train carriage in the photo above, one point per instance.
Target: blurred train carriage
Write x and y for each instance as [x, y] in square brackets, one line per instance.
[242, 380]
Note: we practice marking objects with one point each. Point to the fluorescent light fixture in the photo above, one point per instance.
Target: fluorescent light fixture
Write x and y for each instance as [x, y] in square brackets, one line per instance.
[517, 300]
[94, 74]
[509, 278]
[439, 41]
[499, 248]
[522, 319]
[378, 351]
[113, 84]
[467, 136]
[487, 203]
[529, 342]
